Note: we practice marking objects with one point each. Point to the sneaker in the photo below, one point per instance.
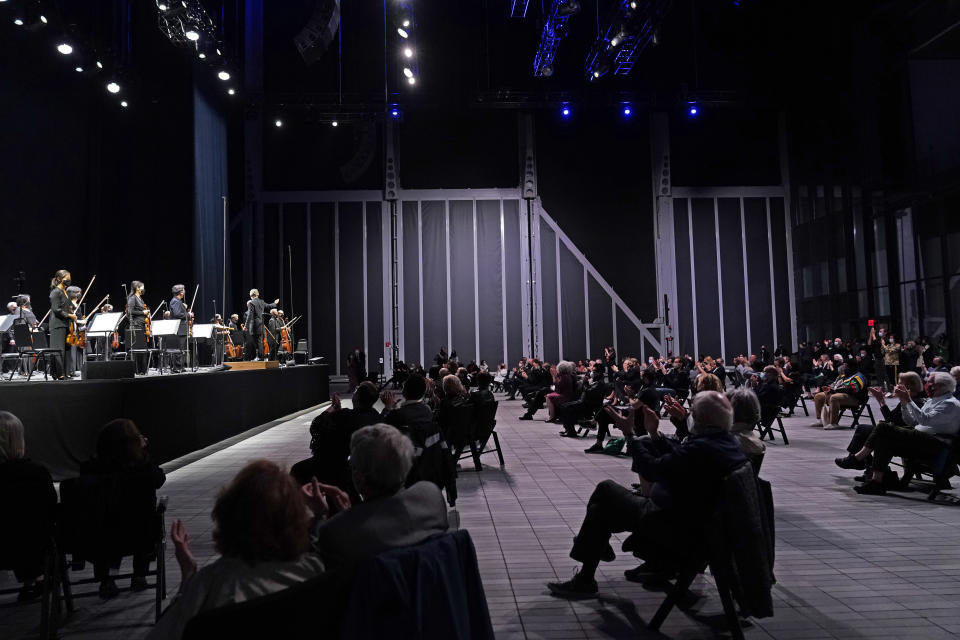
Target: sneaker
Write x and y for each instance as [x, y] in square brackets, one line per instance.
[575, 587]
[817, 424]
[833, 427]
[138, 583]
[596, 448]
[851, 462]
[108, 589]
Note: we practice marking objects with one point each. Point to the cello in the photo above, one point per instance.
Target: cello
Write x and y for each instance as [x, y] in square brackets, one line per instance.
[73, 340]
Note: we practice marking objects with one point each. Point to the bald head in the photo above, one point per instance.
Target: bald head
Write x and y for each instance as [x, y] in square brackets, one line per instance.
[712, 409]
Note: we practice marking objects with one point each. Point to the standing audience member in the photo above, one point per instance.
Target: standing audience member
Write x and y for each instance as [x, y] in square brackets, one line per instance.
[29, 505]
[261, 530]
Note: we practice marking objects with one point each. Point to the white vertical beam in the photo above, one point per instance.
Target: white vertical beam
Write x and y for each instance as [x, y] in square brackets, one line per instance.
[503, 284]
[387, 288]
[773, 288]
[336, 277]
[420, 276]
[716, 226]
[310, 348]
[476, 287]
[526, 284]
[693, 278]
[401, 293]
[366, 328]
[613, 314]
[559, 302]
[746, 278]
[446, 217]
[586, 308]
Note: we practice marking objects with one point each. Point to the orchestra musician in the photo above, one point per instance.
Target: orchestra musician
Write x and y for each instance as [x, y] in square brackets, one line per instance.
[254, 324]
[73, 293]
[137, 312]
[61, 313]
[179, 311]
[273, 334]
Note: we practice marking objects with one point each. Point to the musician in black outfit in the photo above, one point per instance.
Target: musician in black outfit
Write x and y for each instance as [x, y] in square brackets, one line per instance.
[179, 311]
[137, 312]
[61, 313]
[254, 324]
[272, 333]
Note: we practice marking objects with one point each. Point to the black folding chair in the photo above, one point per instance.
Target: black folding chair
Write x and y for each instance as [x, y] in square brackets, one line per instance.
[99, 519]
[34, 345]
[857, 412]
[51, 611]
[770, 416]
[941, 468]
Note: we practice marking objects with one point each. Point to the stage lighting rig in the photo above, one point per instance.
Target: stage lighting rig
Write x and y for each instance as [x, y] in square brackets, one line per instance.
[185, 23]
[518, 8]
[554, 30]
[632, 26]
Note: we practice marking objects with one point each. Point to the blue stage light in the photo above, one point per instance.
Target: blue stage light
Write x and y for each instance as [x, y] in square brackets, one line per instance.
[394, 112]
[627, 111]
[693, 110]
[565, 111]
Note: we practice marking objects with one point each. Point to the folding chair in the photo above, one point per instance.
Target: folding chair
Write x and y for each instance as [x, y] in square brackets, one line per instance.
[34, 345]
[857, 412]
[768, 430]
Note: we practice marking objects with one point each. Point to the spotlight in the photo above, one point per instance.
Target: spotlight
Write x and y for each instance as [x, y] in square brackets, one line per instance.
[334, 124]
[18, 22]
[596, 74]
[394, 112]
[79, 69]
[113, 87]
[218, 51]
[627, 111]
[278, 123]
[223, 75]
[124, 104]
[43, 18]
[692, 109]
[546, 70]
[565, 111]
[202, 55]
[192, 35]
[615, 41]
[412, 80]
[162, 7]
[408, 52]
[407, 72]
[403, 33]
[231, 91]
[99, 65]
[406, 23]
[633, 5]
[64, 48]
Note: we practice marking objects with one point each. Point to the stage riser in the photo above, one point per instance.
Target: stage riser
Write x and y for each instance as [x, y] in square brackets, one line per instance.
[179, 414]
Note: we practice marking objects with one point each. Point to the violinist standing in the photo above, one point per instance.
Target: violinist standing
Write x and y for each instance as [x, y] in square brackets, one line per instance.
[273, 333]
[74, 355]
[179, 311]
[61, 313]
[254, 324]
[137, 311]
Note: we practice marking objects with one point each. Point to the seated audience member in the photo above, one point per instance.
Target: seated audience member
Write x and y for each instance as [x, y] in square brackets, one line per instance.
[535, 390]
[411, 411]
[589, 403]
[454, 397]
[769, 393]
[389, 516]
[707, 382]
[678, 379]
[29, 504]
[565, 386]
[122, 458]
[746, 415]
[930, 429]
[330, 439]
[914, 386]
[262, 532]
[483, 394]
[628, 377]
[847, 391]
[686, 479]
[955, 374]
[790, 383]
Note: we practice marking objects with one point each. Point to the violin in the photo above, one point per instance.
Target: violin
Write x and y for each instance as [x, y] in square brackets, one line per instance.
[115, 343]
[266, 345]
[146, 321]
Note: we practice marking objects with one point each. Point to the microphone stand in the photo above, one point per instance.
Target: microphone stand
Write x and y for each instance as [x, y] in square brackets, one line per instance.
[126, 307]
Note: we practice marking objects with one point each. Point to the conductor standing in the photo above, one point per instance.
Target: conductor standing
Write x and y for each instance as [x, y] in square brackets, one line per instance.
[254, 324]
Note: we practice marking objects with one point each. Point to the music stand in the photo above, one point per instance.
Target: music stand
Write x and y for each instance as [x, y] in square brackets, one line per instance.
[162, 329]
[200, 332]
[6, 322]
[104, 325]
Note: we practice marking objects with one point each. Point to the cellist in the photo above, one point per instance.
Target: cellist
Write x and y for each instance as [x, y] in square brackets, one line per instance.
[61, 314]
[137, 312]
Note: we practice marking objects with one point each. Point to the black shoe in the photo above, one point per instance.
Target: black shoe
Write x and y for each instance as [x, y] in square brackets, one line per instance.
[871, 489]
[851, 462]
[575, 587]
[596, 448]
[525, 405]
[526, 416]
[108, 589]
[138, 583]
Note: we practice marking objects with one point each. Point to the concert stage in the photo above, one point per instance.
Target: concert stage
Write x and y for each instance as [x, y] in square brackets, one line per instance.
[178, 413]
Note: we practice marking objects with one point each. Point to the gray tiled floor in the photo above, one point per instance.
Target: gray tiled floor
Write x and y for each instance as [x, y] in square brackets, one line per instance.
[848, 566]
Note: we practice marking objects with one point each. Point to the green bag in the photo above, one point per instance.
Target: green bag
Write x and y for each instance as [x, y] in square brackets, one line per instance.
[614, 446]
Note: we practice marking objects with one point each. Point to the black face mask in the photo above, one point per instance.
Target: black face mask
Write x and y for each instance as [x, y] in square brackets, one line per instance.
[67, 282]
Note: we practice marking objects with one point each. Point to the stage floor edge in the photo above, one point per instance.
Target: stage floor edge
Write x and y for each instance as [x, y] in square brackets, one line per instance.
[179, 414]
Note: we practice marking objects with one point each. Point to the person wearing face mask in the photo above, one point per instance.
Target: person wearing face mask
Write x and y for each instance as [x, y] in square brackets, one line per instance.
[891, 357]
[61, 313]
[137, 312]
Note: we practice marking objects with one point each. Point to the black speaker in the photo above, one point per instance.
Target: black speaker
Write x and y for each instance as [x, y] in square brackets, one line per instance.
[300, 357]
[319, 31]
[111, 370]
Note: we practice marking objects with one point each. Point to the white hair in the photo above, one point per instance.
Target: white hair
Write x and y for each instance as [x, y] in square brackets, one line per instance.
[712, 409]
[381, 458]
[955, 372]
[943, 383]
[746, 405]
[254, 293]
[565, 366]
